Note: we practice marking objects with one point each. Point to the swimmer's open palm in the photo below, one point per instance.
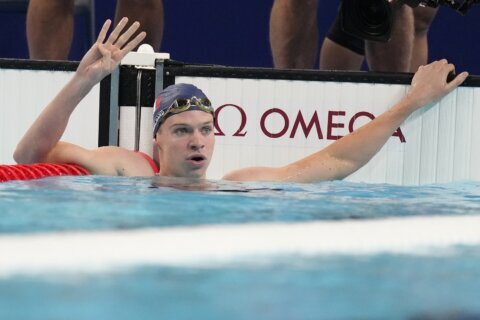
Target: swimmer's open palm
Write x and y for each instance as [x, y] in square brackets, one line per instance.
[104, 56]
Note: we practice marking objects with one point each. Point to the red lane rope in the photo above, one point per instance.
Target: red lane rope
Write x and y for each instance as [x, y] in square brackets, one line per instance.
[39, 170]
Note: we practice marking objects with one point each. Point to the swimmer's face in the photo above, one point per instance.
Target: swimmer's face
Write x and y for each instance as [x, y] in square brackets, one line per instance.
[185, 143]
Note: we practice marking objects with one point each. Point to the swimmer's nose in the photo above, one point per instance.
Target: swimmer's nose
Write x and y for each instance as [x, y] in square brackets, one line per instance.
[196, 143]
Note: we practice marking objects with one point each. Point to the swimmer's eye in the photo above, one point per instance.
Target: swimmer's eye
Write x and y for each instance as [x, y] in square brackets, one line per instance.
[180, 131]
[207, 130]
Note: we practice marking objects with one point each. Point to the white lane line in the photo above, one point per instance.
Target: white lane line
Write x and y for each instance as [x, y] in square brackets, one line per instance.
[213, 244]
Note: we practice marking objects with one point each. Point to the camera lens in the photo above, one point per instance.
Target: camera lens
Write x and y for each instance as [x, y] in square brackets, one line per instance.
[367, 19]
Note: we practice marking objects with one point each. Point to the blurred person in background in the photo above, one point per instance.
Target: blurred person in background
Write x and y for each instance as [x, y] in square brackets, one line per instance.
[50, 25]
[294, 40]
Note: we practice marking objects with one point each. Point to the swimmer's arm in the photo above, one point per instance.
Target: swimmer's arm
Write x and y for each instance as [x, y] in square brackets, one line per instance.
[46, 131]
[99, 61]
[340, 158]
[353, 151]
[108, 161]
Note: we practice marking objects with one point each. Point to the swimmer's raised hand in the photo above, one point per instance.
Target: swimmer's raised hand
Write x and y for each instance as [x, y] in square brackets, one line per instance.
[430, 83]
[99, 61]
[104, 56]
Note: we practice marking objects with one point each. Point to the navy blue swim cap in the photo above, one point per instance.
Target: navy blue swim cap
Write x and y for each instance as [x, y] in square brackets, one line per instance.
[169, 96]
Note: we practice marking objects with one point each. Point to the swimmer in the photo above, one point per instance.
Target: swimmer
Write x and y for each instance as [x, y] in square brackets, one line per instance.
[183, 123]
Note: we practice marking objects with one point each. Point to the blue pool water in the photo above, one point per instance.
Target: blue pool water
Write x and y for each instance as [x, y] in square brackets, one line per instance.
[376, 287]
[94, 203]
[432, 285]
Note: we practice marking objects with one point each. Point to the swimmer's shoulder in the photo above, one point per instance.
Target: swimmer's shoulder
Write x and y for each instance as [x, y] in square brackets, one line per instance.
[108, 160]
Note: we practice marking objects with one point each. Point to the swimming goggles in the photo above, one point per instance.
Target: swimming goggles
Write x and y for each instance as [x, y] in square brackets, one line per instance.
[181, 105]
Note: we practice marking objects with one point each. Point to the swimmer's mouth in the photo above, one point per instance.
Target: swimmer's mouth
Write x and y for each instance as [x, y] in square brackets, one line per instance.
[197, 158]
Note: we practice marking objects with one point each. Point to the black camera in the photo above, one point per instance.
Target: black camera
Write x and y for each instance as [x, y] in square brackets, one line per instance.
[372, 19]
[460, 6]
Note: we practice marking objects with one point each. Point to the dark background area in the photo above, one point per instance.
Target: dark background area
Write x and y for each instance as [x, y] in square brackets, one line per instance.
[235, 33]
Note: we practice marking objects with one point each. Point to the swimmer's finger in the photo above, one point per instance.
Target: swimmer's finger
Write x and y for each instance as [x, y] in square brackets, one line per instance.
[132, 44]
[116, 32]
[103, 32]
[458, 80]
[127, 34]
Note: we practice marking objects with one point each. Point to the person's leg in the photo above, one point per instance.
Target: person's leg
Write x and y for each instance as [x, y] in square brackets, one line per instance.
[334, 56]
[395, 55]
[150, 15]
[294, 33]
[423, 17]
[50, 29]
[340, 50]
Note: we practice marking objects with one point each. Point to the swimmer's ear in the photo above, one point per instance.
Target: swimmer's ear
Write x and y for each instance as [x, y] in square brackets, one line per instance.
[156, 153]
[155, 146]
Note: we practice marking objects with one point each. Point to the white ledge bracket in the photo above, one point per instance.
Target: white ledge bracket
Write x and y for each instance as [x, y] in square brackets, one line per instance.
[144, 57]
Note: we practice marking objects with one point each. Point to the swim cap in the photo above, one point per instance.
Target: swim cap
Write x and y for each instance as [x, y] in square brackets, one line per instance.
[168, 96]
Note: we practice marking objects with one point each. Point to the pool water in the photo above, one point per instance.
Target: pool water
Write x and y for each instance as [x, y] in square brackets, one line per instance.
[96, 203]
[437, 284]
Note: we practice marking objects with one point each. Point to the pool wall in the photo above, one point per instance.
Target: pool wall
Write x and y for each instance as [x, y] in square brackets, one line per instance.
[268, 117]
